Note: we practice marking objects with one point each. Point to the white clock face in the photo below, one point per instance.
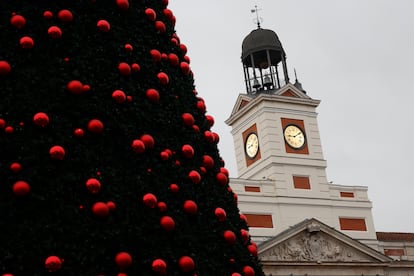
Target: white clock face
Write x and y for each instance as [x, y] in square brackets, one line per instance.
[294, 136]
[252, 145]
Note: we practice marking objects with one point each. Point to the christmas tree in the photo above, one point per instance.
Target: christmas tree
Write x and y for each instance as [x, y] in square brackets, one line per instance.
[108, 161]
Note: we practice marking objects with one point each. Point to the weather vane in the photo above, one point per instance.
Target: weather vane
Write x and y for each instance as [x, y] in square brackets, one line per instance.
[258, 19]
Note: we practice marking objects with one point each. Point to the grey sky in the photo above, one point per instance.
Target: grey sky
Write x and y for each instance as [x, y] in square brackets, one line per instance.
[356, 56]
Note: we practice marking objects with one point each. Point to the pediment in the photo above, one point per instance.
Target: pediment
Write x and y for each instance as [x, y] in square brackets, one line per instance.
[242, 101]
[291, 91]
[313, 241]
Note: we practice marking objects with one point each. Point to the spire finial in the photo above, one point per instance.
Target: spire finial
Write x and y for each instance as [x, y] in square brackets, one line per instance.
[258, 19]
[296, 76]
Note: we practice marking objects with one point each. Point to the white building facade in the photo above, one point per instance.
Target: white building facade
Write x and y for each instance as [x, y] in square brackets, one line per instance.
[295, 215]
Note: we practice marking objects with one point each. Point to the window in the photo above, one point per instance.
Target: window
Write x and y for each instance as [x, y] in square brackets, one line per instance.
[353, 224]
[252, 189]
[262, 221]
[347, 194]
[301, 182]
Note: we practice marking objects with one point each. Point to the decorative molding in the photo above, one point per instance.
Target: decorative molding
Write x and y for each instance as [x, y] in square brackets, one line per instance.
[313, 245]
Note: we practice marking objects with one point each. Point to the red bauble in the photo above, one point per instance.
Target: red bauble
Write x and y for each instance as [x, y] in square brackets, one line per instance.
[203, 170]
[65, 16]
[75, 87]
[26, 42]
[159, 266]
[111, 206]
[2, 123]
[248, 271]
[168, 13]
[79, 132]
[123, 260]
[173, 59]
[187, 59]
[163, 78]
[188, 119]
[222, 179]
[190, 207]
[187, 151]
[15, 167]
[151, 14]
[252, 249]
[209, 136]
[185, 67]
[210, 120]
[196, 128]
[53, 263]
[229, 237]
[201, 106]
[186, 264]
[18, 21]
[244, 235]
[138, 146]
[9, 129]
[208, 161]
[174, 188]
[57, 152]
[123, 5]
[93, 185]
[124, 69]
[216, 137]
[236, 274]
[149, 200]
[165, 2]
[95, 126]
[54, 32]
[160, 26]
[164, 155]
[119, 96]
[153, 95]
[41, 119]
[135, 67]
[5, 68]
[100, 209]
[128, 47]
[220, 214]
[167, 223]
[183, 48]
[48, 15]
[195, 177]
[148, 141]
[243, 218]
[156, 55]
[162, 206]
[225, 171]
[103, 26]
[21, 188]
[174, 41]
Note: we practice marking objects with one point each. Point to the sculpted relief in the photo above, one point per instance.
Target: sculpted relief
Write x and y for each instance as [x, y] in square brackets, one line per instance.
[315, 247]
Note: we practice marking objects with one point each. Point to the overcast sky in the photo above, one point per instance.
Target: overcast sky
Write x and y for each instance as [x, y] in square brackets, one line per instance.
[356, 56]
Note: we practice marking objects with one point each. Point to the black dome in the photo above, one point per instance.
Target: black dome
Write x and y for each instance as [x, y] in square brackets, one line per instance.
[259, 40]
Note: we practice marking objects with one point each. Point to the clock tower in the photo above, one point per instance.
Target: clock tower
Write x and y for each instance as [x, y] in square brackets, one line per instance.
[281, 169]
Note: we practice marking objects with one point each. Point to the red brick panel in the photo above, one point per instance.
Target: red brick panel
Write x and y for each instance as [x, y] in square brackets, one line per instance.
[252, 189]
[301, 182]
[262, 221]
[347, 194]
[353, 224]
[394, 252]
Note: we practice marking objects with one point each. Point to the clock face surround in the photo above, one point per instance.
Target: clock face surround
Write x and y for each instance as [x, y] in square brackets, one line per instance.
[251, 145]
[294, 136]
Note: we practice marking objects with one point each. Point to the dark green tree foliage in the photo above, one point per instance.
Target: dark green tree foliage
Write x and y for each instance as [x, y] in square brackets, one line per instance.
[108, 164]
